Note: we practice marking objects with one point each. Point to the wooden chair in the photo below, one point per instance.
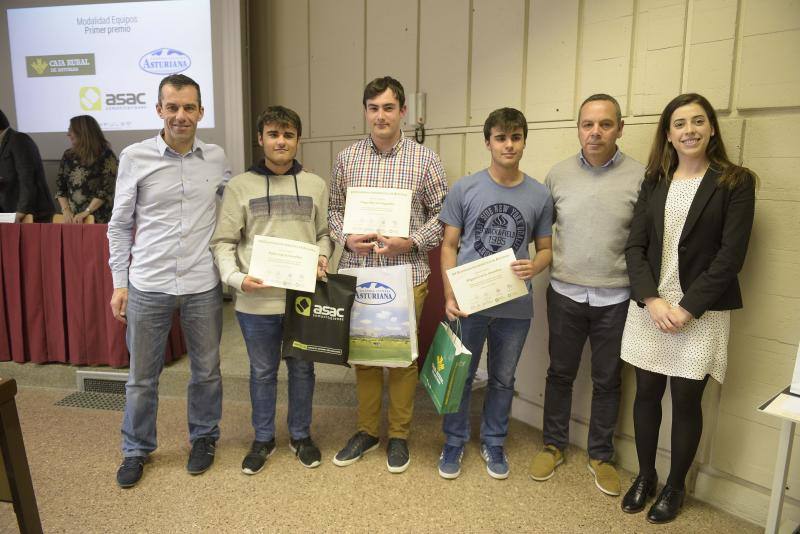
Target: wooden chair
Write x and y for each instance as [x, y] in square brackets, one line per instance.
[16, 474]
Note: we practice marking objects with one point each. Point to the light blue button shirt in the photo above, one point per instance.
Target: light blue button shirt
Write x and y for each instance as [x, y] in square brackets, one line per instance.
[170, 200]
[595, 296]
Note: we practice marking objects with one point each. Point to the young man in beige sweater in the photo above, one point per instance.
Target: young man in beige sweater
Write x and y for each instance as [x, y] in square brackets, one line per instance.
[276, 198]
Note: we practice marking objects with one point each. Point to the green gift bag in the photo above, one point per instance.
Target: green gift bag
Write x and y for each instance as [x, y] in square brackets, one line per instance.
[445, 370]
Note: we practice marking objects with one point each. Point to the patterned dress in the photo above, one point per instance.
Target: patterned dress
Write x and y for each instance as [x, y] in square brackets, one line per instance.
[698, 349]
[79, 183]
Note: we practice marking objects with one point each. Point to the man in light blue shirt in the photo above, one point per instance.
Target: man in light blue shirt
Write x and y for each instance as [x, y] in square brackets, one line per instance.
[594, 194]
[163, 218]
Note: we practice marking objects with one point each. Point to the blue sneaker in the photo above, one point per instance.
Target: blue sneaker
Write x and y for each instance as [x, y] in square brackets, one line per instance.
[496, 461]
[450, 461]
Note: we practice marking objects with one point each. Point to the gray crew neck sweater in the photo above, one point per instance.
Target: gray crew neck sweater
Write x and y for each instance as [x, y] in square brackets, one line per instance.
[592, 220]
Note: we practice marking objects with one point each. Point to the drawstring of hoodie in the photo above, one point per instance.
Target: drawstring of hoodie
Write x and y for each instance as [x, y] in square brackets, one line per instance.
[261, 168]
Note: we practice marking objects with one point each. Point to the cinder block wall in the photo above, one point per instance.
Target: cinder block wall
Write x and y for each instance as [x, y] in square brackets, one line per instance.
[544, 57]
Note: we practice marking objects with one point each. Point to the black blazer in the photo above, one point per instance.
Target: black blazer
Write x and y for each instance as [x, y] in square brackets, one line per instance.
[23, 186]
[711, 249]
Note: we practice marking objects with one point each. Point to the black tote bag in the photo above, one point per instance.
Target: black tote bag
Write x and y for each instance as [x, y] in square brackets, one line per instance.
[316, 326]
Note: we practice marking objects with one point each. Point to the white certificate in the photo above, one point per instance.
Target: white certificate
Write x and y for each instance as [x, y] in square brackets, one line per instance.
[381, 210]
[284, 263]
[486, 282]
[8, 217]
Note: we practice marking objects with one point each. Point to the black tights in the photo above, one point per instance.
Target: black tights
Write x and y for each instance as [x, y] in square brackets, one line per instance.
[687, 422]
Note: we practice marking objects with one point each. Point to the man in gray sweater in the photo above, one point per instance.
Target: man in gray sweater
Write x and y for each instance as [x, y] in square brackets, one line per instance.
[276, 198]
[594, 193]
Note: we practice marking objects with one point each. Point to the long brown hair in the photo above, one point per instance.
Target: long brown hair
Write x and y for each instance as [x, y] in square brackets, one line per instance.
[663, 159]
[90, 141]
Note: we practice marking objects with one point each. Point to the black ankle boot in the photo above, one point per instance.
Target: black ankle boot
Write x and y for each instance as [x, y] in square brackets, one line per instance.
[667, 505]
[641, 489]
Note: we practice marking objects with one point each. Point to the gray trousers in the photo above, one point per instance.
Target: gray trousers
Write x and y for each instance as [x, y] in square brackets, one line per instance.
[570, 323]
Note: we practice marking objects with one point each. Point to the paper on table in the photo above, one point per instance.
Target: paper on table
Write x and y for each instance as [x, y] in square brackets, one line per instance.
[8, 217]
[784, 405]
[284, 263]
[486, 282]
[381, 210]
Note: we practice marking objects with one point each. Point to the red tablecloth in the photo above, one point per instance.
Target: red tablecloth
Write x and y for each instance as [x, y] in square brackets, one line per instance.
[55, 286]
[433, 311]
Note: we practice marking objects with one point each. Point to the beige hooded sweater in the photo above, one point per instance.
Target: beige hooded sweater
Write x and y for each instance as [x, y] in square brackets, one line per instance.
[258, 202]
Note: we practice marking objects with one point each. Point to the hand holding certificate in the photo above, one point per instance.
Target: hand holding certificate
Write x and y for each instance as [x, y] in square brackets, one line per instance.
[486, 282]
[284, 263]
[377, 210]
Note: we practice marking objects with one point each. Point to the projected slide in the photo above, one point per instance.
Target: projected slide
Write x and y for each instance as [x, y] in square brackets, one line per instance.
[106, 60]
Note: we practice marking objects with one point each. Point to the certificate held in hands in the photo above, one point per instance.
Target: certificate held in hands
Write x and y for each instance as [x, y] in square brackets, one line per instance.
[377, 210]
[284, 263]
[486, 282]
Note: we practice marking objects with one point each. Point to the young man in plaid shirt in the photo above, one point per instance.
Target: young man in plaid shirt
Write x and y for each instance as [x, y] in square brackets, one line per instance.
[386, 158]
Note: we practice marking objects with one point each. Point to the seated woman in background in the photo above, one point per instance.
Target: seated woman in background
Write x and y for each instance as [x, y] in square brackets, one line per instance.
[687, 244]
[87, 173]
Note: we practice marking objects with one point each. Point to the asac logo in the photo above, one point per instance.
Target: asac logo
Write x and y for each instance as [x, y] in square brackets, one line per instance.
[328, 311]
[125, 99]
[302, 305]
[374, 293]
[305, 307]
[165, 61]
[90, 98]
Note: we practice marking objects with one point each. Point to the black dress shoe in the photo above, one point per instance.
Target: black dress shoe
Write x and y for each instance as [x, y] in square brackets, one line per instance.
[667, 505]
[642, 489]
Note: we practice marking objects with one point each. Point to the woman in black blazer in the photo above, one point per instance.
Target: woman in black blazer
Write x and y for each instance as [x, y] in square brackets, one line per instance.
[687, 244]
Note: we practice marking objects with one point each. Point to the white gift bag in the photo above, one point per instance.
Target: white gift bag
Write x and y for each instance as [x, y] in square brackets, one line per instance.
[383, 326]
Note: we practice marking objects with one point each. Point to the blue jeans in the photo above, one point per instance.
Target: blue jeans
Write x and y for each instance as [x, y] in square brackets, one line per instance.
[262, 336]
[506, 338]
[149, 322]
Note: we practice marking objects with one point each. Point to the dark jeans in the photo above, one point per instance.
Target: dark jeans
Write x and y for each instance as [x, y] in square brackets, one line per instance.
[570, 324]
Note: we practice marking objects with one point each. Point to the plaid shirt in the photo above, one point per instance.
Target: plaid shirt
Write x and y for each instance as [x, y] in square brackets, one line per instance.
[408, 165]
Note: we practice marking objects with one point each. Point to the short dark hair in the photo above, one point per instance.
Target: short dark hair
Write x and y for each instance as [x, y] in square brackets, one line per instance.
[283, 117]
[379, 85]
[507, 119]
[3, 120]
[179, 81]
[600, 97]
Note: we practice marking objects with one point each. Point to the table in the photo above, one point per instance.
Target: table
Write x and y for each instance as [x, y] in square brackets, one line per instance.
[788, 422]
[55, 286]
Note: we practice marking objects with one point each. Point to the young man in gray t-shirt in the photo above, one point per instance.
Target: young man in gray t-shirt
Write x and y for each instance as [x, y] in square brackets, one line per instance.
[490, 211]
